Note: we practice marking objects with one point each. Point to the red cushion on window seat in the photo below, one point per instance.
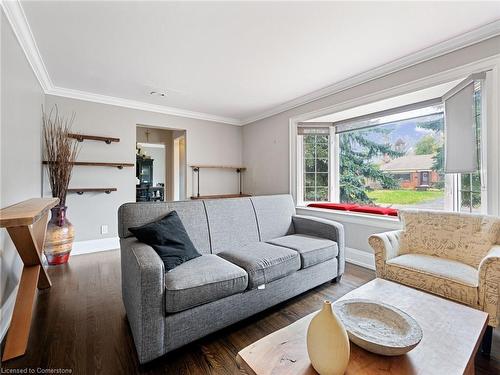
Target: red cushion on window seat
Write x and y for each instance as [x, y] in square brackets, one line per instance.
[376, 210]
[356, 208]
[334, 206]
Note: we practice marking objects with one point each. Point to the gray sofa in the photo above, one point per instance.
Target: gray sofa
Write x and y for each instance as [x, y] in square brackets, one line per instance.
[256, 253]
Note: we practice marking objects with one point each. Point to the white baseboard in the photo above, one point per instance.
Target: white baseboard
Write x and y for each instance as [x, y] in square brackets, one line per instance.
[6, 313]
[94, 246]
[360, 258]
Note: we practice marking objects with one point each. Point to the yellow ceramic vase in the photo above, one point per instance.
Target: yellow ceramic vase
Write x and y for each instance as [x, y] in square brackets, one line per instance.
[327, 342]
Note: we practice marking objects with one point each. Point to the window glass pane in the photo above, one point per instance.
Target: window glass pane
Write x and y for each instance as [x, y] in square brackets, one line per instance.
[310, 194]
[322, 138]
[470, 192]
[316, 167]
[470, 183]
[321, 165]
[322, 194]
[309, 152]
[322, 179]
[309, 165]
[397, 164]
[310, 179]
[309, 138]
[322, 150]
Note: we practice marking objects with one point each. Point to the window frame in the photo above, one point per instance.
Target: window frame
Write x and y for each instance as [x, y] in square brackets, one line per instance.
[301, 167]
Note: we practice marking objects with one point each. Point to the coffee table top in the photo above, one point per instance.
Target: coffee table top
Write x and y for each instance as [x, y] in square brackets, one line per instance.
[451, 336]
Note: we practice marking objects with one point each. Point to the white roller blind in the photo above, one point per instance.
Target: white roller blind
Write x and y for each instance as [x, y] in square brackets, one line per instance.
[313, 130]
[414, 110]
[460, 130]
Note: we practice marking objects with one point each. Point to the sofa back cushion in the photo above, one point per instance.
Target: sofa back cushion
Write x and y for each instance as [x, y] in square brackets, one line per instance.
[274, 215]
[232, 223]
[191, 213]
[463, 237]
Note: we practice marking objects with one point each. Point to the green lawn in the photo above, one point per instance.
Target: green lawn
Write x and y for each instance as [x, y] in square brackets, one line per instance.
[404, 196]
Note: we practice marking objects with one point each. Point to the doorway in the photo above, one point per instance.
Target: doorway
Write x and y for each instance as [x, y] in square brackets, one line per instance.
[160, 164]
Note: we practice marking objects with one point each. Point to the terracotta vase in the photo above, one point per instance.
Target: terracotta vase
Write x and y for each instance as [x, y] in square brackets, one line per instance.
[59, 238]
[327, 342]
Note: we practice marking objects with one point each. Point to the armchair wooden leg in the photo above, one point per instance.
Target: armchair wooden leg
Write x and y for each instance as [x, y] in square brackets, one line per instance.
[486, 343]
[337, 279]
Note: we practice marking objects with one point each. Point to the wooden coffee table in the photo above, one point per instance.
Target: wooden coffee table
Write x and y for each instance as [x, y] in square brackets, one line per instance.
[452, 335]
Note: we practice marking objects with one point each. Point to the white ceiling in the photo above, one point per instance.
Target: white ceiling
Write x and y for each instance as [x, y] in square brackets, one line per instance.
[234, 60]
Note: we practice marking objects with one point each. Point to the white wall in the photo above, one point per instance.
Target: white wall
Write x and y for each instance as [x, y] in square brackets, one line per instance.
[20, 134]
[207, 143]
[266, 142]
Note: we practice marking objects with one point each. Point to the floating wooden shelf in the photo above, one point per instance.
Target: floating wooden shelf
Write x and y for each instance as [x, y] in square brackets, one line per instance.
[99, 164]
[222, 196]
[82, 137]
[80, 191]
[235, 167]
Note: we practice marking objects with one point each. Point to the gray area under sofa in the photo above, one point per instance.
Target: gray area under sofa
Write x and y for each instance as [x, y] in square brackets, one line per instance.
[256, 253]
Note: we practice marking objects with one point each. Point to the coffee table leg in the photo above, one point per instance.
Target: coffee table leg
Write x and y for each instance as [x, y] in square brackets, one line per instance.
[486, 343]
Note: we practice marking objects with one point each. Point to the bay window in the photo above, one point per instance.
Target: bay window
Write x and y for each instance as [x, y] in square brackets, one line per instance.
[397, 157]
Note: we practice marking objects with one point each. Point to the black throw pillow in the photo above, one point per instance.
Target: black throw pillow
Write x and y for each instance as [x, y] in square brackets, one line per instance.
[169, 239]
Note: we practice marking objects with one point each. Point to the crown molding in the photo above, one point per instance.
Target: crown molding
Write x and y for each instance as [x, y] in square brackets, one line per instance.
[484, 32]
[134, 104]
[17, 18]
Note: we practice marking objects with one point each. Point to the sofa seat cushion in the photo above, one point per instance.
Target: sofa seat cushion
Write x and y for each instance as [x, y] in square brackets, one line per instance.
[202, 280]
[263, 262]
[445, 277]
[312, 250]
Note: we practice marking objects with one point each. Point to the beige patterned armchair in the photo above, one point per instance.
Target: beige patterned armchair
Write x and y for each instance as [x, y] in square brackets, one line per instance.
[453, 255]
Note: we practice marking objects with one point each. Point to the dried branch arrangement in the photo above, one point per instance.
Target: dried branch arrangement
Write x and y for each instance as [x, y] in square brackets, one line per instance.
[60, 151]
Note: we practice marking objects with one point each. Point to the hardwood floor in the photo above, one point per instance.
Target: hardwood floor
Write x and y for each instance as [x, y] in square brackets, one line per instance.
[80, 324]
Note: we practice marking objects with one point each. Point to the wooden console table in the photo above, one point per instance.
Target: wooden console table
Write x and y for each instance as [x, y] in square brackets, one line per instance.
[26, 223]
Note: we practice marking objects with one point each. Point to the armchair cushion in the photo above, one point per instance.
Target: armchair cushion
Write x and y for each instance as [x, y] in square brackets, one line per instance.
[462, 237]
[445, 277]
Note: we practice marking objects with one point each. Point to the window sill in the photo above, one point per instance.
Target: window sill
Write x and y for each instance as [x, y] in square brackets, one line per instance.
[386, 222]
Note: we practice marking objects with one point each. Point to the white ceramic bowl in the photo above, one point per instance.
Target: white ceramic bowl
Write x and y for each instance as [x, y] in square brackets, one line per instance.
[378, 327]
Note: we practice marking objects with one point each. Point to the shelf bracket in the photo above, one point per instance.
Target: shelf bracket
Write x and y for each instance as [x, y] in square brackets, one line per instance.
[197, 170]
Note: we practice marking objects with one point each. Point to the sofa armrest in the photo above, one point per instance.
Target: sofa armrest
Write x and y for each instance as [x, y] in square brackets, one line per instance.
[143, 287]
[489, 285]
[385, 246]
[323, 228]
